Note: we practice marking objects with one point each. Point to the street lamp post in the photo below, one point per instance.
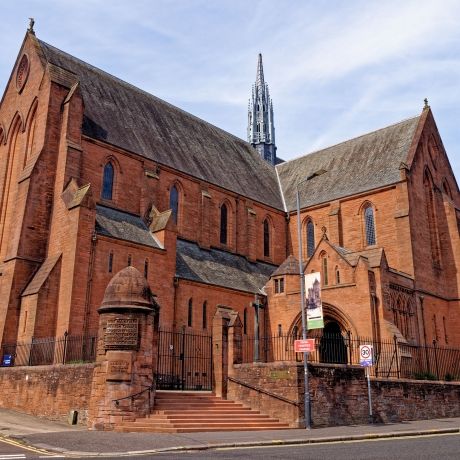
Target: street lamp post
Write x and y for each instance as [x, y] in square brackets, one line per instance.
[307, 400]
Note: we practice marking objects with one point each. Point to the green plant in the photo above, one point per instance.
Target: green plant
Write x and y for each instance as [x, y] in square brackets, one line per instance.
[424, 376]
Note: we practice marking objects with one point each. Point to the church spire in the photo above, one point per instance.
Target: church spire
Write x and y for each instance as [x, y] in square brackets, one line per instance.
[260, 72]
[261, 129]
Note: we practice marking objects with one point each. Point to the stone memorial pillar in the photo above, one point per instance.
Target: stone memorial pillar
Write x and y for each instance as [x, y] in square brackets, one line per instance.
[126, 353]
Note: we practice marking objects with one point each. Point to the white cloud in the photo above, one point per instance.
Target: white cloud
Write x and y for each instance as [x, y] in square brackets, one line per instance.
[335, 68]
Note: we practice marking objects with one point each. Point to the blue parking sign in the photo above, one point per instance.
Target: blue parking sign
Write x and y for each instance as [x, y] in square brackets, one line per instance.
[6, 360]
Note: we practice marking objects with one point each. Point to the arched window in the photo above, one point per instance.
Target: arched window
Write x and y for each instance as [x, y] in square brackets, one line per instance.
[324, 267]
[245, 321]
[337, 275]
[223, 223]
[205, 315]
[110, 261]
[190, 313]
[31, 134]
[310, 238]
[266, 238]
[107, 182]
[446, 188]
[431, 216]
[146, 268]
[174, 202]
[130, 259]
[369, 225]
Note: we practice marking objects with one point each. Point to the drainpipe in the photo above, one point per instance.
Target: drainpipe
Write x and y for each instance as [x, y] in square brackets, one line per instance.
[90, 283]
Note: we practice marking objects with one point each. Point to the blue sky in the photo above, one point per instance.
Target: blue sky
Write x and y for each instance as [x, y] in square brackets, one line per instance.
[336, 69]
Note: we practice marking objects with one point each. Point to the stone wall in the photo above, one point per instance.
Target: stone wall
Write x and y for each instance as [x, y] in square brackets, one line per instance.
[48, 391]
[339, 394]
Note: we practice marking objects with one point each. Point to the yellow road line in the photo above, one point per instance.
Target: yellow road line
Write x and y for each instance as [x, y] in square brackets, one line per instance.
[25, 447]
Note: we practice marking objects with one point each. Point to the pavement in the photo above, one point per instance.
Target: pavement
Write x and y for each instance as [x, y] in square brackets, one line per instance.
[58, 437]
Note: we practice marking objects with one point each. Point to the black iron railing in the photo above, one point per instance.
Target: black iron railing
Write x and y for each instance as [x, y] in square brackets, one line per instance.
[184, 360]
[68, 349]
[392, 358]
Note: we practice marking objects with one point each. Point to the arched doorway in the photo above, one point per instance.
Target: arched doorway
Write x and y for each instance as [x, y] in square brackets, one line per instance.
[332, 348]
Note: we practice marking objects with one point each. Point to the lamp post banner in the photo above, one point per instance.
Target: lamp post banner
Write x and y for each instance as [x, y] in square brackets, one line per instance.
[313, 301]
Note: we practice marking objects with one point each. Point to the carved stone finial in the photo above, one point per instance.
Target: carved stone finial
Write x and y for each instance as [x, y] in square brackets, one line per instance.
[31, 26]
[324, 231]
[426, 106]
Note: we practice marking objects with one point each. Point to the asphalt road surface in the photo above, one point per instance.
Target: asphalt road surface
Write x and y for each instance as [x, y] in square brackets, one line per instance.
[13, 450]
[443, 447]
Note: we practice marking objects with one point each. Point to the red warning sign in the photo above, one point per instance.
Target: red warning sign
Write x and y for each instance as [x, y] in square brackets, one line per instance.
[304, 345]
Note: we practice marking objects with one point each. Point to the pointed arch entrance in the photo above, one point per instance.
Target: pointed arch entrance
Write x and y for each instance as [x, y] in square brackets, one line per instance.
[333, 341]
[332, 347]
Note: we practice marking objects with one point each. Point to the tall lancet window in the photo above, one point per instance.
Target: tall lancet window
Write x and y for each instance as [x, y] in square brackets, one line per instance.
[266, 238]
[107, 182]
[310, 238]
[174, 202]
[223, 224]
[369, 225]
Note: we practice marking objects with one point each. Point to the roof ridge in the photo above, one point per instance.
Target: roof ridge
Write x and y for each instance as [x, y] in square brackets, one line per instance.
[348, 140]
[140, 90]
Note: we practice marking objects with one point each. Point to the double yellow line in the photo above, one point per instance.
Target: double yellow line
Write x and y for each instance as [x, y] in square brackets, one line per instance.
[23, 446]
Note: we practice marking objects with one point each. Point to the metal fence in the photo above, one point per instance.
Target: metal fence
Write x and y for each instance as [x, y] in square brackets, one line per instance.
[68, 349]
[391, 358]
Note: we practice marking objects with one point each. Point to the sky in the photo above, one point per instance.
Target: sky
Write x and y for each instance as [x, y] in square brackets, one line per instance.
[335, 69]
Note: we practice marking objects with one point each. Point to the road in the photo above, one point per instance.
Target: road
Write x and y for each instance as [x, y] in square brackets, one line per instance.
[13, 450]
[444, 447]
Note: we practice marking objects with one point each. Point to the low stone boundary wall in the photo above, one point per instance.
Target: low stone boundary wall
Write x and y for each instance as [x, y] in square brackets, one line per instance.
[48, 391]
[339, 394]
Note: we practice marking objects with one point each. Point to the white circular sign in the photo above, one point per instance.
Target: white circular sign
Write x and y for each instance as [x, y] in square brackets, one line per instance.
[366, 351]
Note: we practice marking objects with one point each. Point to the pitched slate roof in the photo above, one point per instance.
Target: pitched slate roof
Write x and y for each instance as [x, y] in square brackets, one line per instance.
[374, 256]
[123, 226]
[357, 165]
[123, 115]
[289, 267]
[220, 268]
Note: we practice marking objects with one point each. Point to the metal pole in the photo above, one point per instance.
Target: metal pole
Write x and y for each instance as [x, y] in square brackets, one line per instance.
[368, 375]
[307, 402]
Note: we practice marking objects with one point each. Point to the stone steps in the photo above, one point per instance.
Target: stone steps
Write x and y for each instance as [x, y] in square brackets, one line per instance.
[177, 412]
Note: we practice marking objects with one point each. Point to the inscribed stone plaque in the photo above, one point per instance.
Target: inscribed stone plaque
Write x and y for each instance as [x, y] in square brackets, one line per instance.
[119, 366]
[122, 334]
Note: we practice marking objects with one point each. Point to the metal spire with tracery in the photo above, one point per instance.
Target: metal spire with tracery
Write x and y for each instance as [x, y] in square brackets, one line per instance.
[261, 128]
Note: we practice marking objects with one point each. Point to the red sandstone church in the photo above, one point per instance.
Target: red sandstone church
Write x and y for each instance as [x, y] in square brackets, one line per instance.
[97, 175]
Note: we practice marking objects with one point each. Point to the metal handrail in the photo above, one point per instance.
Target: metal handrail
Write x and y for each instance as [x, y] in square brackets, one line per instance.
[262, 390]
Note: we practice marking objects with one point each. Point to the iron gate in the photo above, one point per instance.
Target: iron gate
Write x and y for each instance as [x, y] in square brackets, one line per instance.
[184, 361]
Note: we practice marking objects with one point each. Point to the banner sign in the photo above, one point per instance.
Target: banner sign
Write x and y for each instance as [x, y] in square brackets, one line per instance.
[313, 301]
[366, 355]
[304, 345]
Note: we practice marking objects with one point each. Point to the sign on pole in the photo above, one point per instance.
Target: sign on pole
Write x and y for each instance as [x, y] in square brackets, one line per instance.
[314, 305]
[304, 345]
[366, 355]
[366, 359]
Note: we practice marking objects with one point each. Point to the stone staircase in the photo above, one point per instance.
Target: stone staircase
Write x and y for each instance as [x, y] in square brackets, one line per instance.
[182, 412]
